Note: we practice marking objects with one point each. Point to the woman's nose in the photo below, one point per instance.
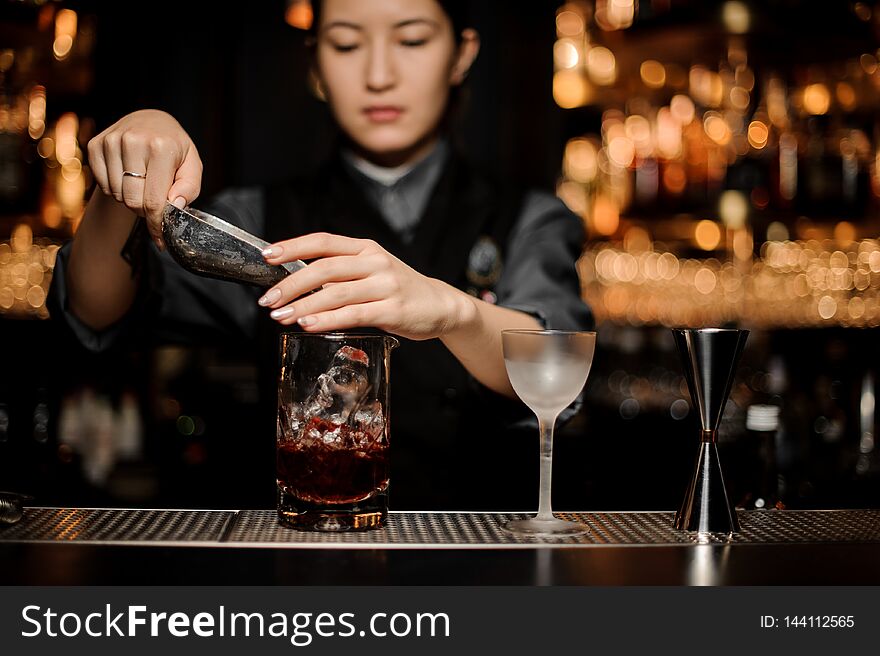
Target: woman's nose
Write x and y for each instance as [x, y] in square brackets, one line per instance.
[381, 74]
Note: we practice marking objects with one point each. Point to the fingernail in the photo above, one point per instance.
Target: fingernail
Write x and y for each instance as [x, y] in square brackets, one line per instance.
[270, 297]
[306, 321]
[281, 313]
[272, 251]
[179, 202]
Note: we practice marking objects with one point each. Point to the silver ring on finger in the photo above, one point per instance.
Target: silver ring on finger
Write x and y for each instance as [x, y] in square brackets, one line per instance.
[133, 174]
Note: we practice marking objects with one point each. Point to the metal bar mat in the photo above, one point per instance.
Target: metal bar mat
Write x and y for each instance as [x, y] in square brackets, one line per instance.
[105, 525]
[455, 530]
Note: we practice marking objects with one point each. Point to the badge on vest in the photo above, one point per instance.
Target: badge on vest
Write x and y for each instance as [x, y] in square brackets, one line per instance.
[484, 268]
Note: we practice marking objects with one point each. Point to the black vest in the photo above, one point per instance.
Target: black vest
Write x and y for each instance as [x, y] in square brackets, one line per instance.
[449, 445]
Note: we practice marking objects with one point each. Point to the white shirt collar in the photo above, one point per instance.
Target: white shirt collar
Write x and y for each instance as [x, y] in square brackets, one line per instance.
[384, 175]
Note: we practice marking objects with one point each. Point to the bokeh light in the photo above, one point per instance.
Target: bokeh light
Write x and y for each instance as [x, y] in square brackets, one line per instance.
[602, 66]
[653, 74]
[565, 54]
[581, 163]
[817, 99]
[707, 235]
[570, 89]
[735, 16]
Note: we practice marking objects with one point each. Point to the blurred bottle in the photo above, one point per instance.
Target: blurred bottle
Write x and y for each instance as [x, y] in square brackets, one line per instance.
[769, 451]
[866, 460]
[762, 432]
[814, 165]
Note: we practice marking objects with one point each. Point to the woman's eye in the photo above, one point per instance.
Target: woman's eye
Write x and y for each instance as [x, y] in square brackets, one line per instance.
[344, 47]
[413, 43]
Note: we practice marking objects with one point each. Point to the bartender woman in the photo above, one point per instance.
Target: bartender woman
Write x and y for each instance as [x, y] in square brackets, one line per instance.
[404, 235]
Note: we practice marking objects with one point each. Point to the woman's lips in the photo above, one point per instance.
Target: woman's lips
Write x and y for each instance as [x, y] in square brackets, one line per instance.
[383, 114]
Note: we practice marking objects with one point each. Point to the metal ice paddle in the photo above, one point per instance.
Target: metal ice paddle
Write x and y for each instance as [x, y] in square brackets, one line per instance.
[207, 245]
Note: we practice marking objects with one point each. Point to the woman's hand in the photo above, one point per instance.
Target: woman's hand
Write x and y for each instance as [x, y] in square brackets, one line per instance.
[147, 143]
[363, 285]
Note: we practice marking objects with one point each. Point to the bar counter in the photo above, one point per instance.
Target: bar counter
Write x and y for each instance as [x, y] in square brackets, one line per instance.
[125, 546]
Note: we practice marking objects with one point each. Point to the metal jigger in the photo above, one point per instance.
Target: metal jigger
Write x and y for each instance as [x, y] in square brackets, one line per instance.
[710, 356]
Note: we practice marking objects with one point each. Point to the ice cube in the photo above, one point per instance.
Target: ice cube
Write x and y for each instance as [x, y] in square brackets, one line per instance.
[351, 355]
[321, 398]
[334, 437]
[318, 432]
[339, 391]
[369, 423]
[290, 420]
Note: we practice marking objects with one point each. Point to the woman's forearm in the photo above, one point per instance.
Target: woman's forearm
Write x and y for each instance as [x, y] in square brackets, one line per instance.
[100, 286]
[475, 339]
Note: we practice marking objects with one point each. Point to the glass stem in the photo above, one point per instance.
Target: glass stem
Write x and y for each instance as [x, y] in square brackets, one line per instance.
[545, 425]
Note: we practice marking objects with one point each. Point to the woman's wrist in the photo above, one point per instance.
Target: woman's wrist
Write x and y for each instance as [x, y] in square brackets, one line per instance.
[474, 338]
[462, 314]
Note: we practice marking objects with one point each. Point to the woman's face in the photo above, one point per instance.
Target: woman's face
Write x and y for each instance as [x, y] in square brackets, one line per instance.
[386, 67]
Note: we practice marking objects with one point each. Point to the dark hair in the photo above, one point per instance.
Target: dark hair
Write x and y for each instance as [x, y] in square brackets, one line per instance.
[455, 10]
